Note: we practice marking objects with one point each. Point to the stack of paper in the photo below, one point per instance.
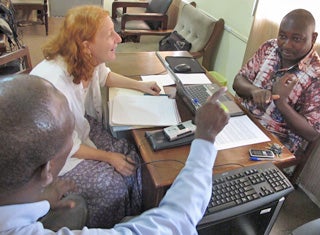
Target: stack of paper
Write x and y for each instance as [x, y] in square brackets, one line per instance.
[240, 131]
[136, 110]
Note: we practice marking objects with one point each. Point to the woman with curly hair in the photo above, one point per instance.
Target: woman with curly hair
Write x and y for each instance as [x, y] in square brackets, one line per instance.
[103, 167]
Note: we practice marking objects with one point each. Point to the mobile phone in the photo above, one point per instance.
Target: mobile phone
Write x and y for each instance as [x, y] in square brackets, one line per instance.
[261, 153]
[179, 131]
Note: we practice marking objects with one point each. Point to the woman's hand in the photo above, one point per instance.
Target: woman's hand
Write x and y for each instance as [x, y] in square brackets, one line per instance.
[124, 165]
[151, 88]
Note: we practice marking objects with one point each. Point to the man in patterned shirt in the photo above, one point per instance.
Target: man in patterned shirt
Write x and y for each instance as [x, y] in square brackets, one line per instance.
[280, 84]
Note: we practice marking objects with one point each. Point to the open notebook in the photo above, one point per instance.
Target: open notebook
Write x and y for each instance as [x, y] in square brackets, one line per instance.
[135, 110]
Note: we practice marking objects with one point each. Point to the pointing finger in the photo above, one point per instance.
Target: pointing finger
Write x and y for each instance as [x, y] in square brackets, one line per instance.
[217, 95]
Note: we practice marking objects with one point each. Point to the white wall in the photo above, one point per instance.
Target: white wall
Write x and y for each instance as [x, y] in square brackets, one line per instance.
[107, 4]
[60, 7]
[238, 21]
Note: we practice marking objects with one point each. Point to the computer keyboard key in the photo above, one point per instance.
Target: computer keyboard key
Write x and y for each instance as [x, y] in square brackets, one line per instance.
[222, 207]
[237, 191]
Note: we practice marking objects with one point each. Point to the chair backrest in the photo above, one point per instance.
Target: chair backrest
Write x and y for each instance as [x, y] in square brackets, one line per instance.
[302, 158]
[194, 26]
[41, 6]
[28, 1]
[202, 31]
[157, 6]
[310, 228]
[22, 59]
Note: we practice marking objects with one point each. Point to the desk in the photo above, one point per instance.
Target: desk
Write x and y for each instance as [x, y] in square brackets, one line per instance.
[157, 177]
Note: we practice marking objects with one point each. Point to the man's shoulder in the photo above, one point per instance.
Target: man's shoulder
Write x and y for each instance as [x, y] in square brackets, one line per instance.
[311, 64]
[269, 49]
[270, 44]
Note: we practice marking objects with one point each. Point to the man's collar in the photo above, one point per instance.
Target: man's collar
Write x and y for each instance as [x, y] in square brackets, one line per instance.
[306, 61]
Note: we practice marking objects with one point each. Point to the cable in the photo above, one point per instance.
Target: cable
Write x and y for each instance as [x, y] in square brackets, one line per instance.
[137, 75]
[228, 164]
[161, 160]
[152, 162]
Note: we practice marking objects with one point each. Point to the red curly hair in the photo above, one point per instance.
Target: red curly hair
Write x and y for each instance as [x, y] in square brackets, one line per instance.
[81, 24]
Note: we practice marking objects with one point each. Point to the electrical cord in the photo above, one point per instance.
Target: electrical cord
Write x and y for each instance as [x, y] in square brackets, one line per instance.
[228, 164]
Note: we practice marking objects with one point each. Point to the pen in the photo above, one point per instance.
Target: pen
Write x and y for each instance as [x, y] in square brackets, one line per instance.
[223, 106]
[260, 159]
[156, 95]
[196, 102]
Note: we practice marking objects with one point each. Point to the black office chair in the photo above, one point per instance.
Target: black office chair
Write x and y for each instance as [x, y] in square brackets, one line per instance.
[310, 228]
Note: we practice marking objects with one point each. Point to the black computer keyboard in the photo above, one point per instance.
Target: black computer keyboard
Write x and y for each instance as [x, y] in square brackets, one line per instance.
[244, 189]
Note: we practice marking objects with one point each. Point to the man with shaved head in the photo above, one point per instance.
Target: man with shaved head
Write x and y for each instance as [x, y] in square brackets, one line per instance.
[35, 137]
[35, 133]
[280, 84]
[36, 127]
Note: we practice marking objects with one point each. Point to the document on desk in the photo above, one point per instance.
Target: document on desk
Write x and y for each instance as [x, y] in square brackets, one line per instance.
[186, 78]
[116, 128]
[193, 78]
[113, 92]
[161, 79]
[240, 131]
[144, 111]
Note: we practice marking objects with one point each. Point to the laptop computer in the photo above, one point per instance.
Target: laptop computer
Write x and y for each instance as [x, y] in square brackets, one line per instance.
[196, 95]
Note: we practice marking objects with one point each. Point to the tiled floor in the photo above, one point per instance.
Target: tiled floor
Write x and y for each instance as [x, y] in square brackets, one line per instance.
[298, 209]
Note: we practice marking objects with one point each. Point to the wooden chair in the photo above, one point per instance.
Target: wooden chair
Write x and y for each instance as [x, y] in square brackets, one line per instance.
[205, 39]
[302, 157]
[202, 31]
[16, 62]
[152, 19]
[41, 6]
[312, 228]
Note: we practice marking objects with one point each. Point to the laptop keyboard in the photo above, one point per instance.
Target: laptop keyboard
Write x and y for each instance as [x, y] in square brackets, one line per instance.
[202, 92]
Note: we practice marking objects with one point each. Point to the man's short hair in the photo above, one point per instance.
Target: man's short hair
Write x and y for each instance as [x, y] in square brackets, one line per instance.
[30, 132]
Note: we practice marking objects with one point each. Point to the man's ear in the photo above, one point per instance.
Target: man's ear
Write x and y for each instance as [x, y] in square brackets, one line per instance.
[46, 174]
[314, 37]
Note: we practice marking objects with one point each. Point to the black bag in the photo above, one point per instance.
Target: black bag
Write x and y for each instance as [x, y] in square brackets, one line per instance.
[174, 42]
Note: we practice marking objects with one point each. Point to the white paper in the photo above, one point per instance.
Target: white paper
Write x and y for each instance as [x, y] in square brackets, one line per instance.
[115, 91]
[116, 127]
[144, 111]
[162, 80]
[240, 131]
[193, 78]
